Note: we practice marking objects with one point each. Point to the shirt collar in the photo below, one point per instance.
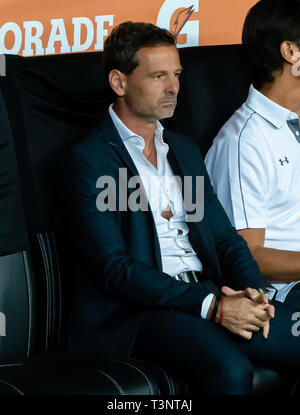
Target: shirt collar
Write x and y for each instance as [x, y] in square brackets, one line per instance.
[126, 133]
[268, 109]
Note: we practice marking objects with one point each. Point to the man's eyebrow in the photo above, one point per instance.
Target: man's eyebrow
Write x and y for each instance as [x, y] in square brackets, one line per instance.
[162, 72]
[158, 72]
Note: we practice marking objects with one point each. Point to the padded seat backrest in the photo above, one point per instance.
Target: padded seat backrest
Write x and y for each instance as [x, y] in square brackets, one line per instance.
[17, 299]
[215, 82]
[49, 103]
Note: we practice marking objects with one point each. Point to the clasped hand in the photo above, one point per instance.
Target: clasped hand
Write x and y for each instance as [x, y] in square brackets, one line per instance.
[246, 311]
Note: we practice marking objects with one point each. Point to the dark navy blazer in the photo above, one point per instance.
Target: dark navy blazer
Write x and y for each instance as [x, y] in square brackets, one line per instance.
[116, 255]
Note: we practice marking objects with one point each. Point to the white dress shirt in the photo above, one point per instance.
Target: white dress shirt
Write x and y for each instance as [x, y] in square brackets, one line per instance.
[254, 167]
[162, 191]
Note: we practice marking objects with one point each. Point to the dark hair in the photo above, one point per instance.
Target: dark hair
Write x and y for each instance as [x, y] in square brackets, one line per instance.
[267, 25]
[127, 39]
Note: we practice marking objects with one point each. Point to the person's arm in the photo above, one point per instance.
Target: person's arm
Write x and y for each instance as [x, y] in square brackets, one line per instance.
[238, 167]
[279, 266]
[99, 239]
[241, 315]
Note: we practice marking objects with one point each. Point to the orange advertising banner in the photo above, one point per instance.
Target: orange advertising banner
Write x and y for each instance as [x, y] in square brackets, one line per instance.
[35, 27]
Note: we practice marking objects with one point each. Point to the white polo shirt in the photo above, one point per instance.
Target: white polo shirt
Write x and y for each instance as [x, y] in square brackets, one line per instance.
[254, 166]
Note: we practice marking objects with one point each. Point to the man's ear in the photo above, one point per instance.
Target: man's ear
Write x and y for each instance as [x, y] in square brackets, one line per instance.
[290, 52]
[117, 81]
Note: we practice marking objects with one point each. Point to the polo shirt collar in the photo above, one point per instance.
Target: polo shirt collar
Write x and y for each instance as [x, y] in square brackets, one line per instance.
[268, 109]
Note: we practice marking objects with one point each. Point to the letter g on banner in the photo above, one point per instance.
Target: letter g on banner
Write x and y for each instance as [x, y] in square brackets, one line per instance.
[190, 28]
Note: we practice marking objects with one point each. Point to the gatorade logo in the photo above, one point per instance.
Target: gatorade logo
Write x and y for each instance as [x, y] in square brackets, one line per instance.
[176, 16]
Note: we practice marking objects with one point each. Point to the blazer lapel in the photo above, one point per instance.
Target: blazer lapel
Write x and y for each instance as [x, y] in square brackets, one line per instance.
[112, 136]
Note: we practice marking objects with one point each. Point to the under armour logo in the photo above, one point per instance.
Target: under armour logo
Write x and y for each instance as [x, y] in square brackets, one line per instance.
[284, 161]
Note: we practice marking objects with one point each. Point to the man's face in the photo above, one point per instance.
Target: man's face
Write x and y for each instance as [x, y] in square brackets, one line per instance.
[152, 88]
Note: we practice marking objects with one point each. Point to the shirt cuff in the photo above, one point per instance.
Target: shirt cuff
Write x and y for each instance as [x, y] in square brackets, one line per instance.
[206, 304]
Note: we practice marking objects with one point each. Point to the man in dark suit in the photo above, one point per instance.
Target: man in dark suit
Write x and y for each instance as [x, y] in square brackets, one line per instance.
[157, 279]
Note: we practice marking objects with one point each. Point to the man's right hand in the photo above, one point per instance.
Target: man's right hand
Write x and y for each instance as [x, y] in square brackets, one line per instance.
[243, 316]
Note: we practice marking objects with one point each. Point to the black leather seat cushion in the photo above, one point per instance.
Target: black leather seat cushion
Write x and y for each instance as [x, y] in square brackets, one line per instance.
[79, 375]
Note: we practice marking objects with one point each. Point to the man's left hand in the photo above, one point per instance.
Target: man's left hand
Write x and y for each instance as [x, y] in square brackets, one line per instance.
[257, 297]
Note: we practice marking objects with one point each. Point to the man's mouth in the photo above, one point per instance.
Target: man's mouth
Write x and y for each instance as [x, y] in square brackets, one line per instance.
[169, 102]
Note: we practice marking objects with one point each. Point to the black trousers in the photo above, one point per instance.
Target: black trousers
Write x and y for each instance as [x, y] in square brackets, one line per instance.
[212, 358]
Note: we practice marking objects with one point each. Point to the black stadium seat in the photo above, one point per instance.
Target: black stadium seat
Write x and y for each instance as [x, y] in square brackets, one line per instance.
[47, 104]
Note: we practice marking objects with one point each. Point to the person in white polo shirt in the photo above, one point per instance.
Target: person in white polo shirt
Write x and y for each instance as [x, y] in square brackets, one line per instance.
[254, 162]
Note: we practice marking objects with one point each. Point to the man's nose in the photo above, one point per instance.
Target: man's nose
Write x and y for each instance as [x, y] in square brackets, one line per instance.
[172, 85]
